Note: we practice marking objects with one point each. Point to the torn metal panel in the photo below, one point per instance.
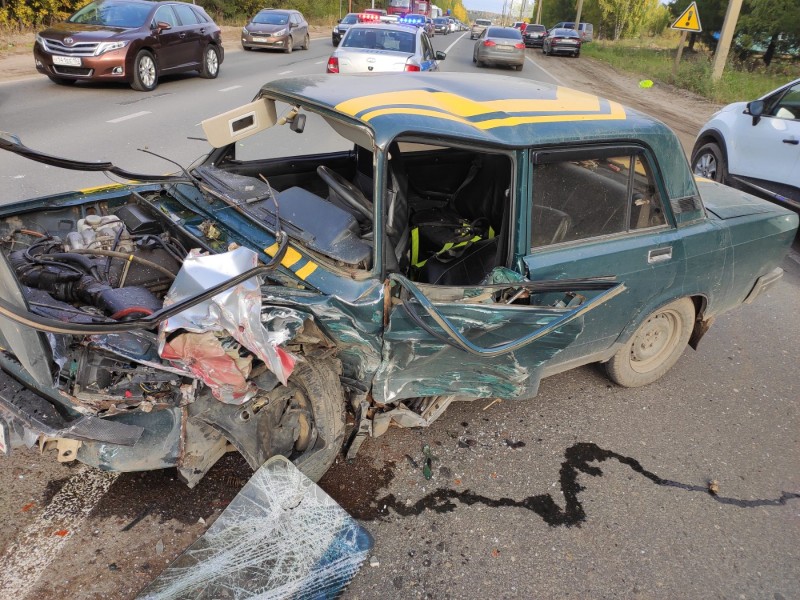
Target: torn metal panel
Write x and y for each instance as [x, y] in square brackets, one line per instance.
[237, 312]
[281, 537]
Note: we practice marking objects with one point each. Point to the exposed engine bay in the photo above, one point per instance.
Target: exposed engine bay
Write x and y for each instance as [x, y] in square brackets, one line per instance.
[95, 264]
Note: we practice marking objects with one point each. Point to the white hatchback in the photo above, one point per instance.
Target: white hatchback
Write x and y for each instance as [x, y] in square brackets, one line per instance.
[755, 146]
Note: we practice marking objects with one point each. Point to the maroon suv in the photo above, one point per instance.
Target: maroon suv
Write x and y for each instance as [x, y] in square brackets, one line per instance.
[135, 41]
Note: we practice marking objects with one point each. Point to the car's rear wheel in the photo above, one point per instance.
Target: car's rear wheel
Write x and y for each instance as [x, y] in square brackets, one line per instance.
[307, 42]
[655, 346]
[708, 162]
[519, 67]
[289, 46]
[577, 53]
[61, 80]
[145, 72]
[210, 68]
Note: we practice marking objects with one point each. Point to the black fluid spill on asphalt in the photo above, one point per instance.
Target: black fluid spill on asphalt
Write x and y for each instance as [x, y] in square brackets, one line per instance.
[576, 461]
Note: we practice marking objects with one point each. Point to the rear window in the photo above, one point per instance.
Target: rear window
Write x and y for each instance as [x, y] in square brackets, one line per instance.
[564, 33]
[535, 28]
[271, 18]
[380, 39]
[483, 22]
[504, 32]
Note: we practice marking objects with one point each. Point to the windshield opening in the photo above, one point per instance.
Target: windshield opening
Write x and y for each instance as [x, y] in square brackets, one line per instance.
[112, 14]
[271, 18]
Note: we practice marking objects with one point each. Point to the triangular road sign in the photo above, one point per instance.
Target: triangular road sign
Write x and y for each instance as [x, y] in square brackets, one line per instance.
[689, 20]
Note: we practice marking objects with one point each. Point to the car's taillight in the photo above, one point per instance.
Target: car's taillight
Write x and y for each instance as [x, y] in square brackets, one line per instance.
[411, 67]
[489, 43]
[520, 45]
[333, 65]
[557, 39]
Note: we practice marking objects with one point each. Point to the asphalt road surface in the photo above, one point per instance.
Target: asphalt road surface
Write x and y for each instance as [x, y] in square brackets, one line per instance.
[588, 490]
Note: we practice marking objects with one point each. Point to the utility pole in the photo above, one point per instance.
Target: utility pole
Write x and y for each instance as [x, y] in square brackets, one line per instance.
[538, 11]
[725, 38]
[522, 9]
[578, 17]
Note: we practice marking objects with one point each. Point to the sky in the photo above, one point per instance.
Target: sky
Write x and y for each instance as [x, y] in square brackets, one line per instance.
[489, 5]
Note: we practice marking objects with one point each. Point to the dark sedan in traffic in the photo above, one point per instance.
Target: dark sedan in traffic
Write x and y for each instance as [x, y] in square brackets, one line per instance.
[562, 41]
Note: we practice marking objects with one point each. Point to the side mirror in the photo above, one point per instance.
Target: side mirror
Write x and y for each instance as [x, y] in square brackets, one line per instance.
[163, 26]
[292, 25]
[756, 109]
[339, 21]
[441, 55]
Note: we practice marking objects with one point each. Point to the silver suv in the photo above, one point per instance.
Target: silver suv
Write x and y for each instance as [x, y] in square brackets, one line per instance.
[478, 26]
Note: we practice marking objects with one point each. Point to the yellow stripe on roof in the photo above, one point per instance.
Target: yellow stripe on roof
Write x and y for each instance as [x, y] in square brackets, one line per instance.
[565, 101]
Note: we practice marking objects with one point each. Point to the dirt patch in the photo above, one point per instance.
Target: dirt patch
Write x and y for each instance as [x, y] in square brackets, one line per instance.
[683, 111]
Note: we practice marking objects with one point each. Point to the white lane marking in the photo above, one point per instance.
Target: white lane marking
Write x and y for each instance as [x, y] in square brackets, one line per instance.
[284, 72]
[321, 62]
[454, 43]
[228, 89]
[132, 116]
[39, 543]
[548, 73]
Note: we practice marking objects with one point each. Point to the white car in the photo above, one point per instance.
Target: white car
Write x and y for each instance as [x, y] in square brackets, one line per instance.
[368, 48]
[755, 146]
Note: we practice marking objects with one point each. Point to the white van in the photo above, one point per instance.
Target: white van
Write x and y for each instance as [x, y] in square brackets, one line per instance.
[585, 29]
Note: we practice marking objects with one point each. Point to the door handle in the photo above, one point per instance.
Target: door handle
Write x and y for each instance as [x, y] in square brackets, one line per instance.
[182, 35]
[792, 141]
[659, 255]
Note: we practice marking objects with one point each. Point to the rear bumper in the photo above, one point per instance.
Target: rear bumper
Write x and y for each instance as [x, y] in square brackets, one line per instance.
[503, 58]
[564, 49]
[763, 283]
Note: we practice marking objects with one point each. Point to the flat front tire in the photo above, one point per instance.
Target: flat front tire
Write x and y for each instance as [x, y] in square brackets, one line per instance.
[145, 72]
[210, 68]
[655, 347]
[708, 162]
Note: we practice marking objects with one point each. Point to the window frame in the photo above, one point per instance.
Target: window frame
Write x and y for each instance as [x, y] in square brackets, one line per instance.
[549, 155]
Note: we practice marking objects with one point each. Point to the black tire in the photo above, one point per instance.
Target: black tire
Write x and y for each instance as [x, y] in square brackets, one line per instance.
[577, 54]
[709, 162]
[319, 382]
[289, 45]
[655, 346]
[519, 67]
[307, 42]
[246, 48]
[334, 41]
[145, 72]
[475, 60]
[61, 80]
[210, 67]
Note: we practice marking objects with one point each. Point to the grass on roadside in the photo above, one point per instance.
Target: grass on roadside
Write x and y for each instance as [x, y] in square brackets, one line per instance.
[653, 59]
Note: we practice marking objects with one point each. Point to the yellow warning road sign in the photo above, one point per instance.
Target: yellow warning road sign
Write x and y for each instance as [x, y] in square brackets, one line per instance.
[689, 20]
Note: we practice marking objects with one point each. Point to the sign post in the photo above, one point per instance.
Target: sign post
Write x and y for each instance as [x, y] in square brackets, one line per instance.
[689, 21]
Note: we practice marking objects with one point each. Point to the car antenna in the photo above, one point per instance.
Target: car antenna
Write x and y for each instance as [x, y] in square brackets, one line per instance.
[192, 180]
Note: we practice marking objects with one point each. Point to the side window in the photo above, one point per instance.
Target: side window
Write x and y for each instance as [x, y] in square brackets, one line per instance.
[186, 14]
[427, 49]
[165, 14]
[584, 195]
[788, 107]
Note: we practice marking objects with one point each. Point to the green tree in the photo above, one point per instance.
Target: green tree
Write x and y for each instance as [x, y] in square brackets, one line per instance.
[771, 23]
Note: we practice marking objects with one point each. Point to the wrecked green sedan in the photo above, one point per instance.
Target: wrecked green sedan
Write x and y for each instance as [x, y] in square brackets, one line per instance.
[431, 238]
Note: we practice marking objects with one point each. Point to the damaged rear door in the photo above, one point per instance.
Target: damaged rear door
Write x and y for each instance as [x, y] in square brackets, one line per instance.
[481, 341]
